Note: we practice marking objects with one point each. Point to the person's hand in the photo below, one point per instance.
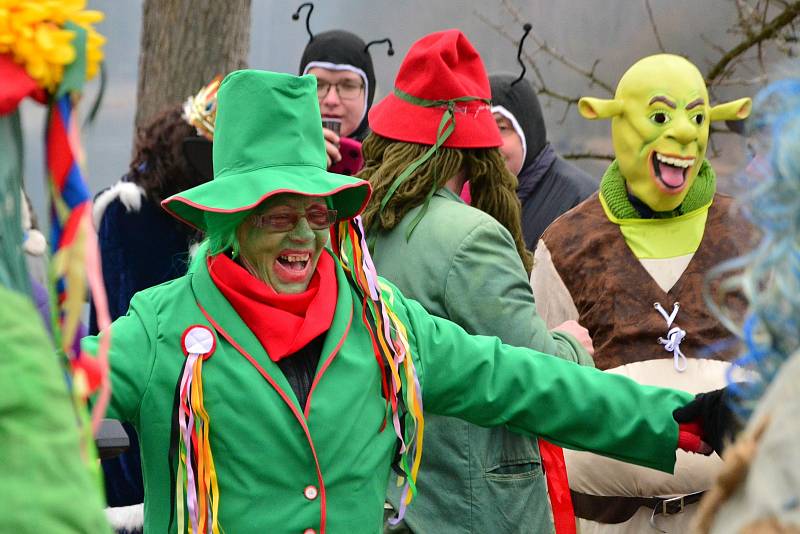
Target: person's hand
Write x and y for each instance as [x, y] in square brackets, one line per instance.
[578, 332]
[690, 440]
[710, 419]
[332, 146]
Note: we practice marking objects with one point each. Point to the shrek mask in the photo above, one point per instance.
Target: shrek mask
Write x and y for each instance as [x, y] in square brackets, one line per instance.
[660, 118]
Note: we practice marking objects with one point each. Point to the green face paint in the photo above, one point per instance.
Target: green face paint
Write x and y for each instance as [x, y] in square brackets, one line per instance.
[286, 260]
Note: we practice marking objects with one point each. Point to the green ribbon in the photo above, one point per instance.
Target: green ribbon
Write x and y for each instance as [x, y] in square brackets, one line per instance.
[74, 73]
[13, 271]
[446, 127]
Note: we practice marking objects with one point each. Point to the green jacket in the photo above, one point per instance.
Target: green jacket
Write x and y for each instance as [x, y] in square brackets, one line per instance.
[462, 265]
[268, 449]
[47, 485]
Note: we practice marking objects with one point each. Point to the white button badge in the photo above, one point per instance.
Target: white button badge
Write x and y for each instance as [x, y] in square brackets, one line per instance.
[198, 339]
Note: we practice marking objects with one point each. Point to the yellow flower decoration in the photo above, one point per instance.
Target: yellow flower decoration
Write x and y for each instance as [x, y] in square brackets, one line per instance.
[32, 32]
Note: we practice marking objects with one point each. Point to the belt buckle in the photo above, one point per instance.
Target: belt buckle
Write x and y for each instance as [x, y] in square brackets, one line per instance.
[668, 505]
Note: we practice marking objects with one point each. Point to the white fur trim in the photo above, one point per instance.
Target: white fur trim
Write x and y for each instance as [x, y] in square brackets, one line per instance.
[127, 517]
[128, 193]
[193, 250]
[517, 128]
[344, 66]
[35, 244]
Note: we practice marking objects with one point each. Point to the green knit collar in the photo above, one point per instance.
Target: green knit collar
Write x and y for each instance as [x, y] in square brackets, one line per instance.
[615, 194]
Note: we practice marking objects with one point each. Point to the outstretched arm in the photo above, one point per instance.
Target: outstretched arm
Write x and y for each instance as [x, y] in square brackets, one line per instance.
[487, 383]
[131, 357]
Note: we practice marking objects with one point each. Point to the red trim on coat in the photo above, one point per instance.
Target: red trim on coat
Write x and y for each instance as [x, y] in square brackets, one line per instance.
[328, 361]
[287, 400]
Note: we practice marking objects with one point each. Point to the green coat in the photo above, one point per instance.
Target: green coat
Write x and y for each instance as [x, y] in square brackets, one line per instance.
[462, 265]
[268, 450]
[47, 485]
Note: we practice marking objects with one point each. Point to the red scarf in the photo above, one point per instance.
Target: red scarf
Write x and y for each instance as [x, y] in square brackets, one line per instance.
[284, 323]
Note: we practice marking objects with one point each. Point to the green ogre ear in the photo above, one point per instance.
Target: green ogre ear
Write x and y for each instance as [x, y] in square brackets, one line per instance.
[598, 108]
[735, 110]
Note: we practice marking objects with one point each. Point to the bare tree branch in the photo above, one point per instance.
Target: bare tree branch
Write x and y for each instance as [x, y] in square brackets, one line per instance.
[541, 87]
[555, 54]
[588, 155]
[752, 29]
[569, 100]
[653, 25]
[760, 47]
[712, 44]
[757, 80]
[739, 4]
[786, 17]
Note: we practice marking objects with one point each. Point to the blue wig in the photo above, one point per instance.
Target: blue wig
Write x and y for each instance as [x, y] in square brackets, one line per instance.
[769, 276]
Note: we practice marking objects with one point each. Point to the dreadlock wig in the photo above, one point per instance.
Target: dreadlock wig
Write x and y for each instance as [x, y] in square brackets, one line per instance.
[769, 276]
[492, 186]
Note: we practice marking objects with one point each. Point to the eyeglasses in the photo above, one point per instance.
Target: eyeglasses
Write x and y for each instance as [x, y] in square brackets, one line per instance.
[318, 219]
[347, 90]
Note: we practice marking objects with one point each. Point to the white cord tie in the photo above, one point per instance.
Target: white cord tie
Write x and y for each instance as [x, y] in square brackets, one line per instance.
[675, 335]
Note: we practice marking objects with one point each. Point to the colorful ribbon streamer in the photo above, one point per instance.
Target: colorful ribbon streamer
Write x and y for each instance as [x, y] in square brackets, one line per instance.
[75, 252]
[197, 478]
[390, 344]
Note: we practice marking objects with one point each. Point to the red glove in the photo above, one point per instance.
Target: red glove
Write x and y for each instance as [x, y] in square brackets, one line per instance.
[710, 418]
[690, 439]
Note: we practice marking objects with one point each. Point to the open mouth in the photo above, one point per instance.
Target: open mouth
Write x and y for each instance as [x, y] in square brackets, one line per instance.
[294, 262]
[670, 171]
[293, 267]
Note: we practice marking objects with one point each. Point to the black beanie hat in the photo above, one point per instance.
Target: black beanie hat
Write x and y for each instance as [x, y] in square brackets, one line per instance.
[338, 47]
[520, 100]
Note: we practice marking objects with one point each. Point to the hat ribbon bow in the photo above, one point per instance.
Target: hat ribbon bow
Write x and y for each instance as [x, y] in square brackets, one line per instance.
[446, 127]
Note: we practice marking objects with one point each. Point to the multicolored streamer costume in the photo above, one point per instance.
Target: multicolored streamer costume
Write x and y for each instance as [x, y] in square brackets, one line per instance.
[74, 247]
[390, 343]
[70, 202]
[48, 50]
[196, 483]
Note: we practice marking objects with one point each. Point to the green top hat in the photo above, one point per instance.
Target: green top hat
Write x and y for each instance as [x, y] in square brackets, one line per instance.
[267, 140]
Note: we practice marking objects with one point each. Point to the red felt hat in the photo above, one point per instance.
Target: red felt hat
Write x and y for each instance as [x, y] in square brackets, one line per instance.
[439, 68]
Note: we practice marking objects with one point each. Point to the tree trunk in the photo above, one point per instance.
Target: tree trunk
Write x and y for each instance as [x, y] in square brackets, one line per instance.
[185, 43]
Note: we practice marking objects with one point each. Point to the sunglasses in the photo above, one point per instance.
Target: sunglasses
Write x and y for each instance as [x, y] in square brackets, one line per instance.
[318, 219]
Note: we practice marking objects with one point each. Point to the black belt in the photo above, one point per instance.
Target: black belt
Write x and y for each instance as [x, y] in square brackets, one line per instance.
[615, 509]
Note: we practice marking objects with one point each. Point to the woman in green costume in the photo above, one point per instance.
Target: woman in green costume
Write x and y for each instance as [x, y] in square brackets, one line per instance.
[275, 384]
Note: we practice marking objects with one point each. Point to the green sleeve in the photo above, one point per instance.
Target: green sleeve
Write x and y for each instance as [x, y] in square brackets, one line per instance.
[488, 293]
[47, 484]
[483, 381]
[132, 356]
